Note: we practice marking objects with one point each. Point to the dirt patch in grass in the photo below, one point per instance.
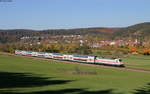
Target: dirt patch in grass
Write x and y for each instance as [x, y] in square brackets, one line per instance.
[80, 71]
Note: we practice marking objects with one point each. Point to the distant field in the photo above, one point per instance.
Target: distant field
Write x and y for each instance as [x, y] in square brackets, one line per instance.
[24, 75]
[138, 61]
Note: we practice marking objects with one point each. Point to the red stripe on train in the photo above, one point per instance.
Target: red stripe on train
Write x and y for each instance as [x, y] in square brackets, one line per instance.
[104, 61]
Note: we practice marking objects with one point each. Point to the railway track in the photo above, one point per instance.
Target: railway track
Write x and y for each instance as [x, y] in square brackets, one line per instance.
[94, 65]
[137, 69]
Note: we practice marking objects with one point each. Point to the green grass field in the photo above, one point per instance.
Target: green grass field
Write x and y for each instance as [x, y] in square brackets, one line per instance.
[19, 75]
[138, 61]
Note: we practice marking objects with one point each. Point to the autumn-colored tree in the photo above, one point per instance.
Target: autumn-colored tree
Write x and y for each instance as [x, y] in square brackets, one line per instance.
[132, 49]
[146, 51]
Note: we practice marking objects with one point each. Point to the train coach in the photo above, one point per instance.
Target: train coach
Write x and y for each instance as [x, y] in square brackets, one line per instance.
[75, 58]
[83, 58]
[113, 61]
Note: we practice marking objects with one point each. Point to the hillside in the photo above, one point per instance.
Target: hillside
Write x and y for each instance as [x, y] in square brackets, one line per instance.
[138, 30]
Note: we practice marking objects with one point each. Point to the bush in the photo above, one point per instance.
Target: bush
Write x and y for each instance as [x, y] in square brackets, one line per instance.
[146, 51]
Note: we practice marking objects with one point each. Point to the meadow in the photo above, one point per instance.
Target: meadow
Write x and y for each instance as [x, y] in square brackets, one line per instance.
[20, 75]
[138, 61]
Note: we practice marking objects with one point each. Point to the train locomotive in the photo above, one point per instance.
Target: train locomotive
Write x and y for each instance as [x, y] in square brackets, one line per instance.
[71, 57]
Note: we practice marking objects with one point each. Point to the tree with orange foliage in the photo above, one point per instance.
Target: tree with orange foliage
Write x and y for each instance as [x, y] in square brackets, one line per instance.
[132, 49]
[146, 51]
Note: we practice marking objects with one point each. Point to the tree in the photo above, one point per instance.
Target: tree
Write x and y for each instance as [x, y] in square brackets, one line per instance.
[132, 49]
[146, 51]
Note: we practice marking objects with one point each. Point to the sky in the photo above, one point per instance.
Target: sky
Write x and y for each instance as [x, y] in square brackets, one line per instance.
[64, 14]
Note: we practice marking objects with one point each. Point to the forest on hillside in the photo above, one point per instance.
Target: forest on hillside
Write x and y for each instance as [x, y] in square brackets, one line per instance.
[133, 39]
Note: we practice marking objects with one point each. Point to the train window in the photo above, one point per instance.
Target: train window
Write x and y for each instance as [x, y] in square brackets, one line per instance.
[82, 56]
[58, 54]
[120, 60]
[41, 52]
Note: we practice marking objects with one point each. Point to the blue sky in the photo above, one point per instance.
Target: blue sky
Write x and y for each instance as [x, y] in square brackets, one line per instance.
[56, 14]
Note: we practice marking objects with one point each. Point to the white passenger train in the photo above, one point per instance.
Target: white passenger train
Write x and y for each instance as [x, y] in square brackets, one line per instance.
[75, 58]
